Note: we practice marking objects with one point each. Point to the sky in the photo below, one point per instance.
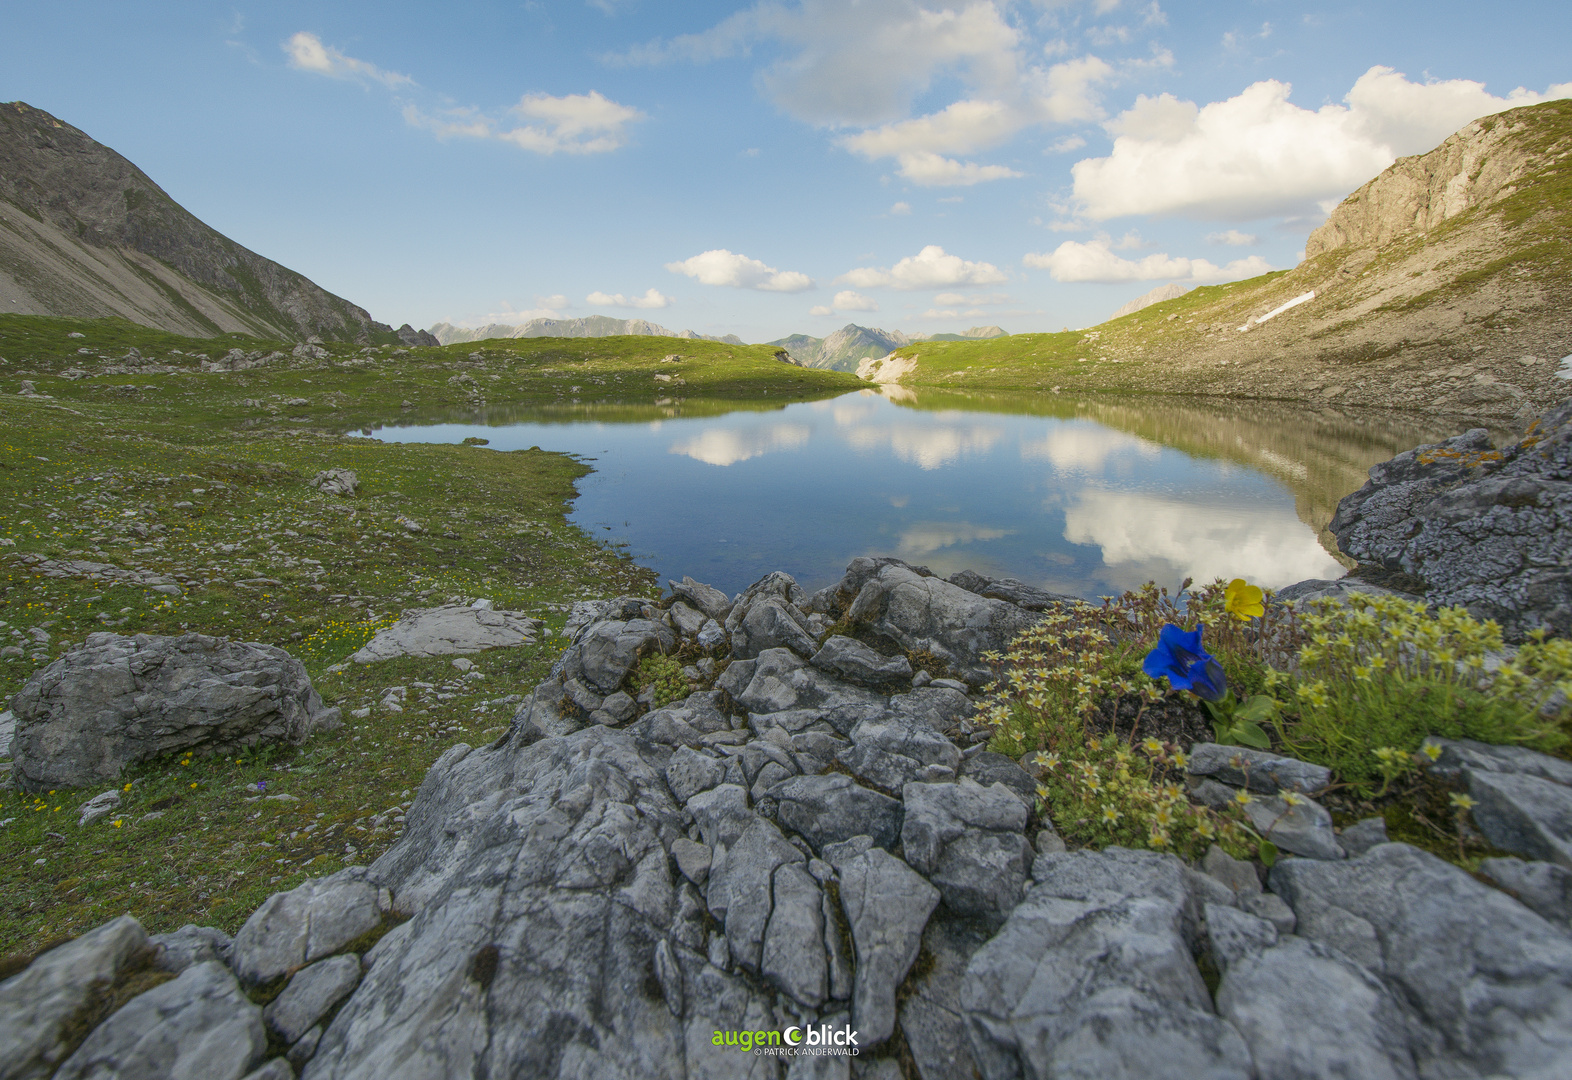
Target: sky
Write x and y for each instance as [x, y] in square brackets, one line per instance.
[776, 167]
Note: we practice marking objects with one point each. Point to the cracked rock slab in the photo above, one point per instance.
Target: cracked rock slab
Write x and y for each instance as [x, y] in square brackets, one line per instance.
[450, 630]
[887, 904]
[315, 919]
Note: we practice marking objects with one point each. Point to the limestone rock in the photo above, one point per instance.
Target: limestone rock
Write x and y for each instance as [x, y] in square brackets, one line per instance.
[769, 623]
[1267, 773]
[1524, 798]
[832, 808]
[1026, 597]
[1490, 976]
[711, 601]
[1487, 530]
[1092, 976]
[779, 679]
[855, 662]
[310, 994]
[1303, 827]
[1543, 888]
[120, 700]
[927, 614]
[449, 630]
[968, 840]
[198, 1024]
[38, 1003]
[887, 905]
[191, 944]
[1363, 835]
[335, 482]
[311, 921]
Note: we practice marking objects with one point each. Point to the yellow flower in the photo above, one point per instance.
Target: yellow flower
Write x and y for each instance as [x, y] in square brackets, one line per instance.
[1463, 802]
[1152, 746]
[1433, 751]
[117, 823]
[1111, 815]
[1243, 600]
[1243, 798]
[1294, 799]
[1204, 830]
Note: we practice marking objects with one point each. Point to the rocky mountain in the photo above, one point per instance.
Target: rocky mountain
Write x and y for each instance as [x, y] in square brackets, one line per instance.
[590, 326]
[85, 233]
[842, 350]
[1443, 285]
[1171, 291]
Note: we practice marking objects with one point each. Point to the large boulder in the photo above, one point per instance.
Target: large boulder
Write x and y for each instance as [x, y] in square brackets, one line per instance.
[119, 700]
[1485, 529]
[448, 631]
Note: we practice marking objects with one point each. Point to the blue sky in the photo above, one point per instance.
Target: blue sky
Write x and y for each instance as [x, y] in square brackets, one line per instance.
[773, 167]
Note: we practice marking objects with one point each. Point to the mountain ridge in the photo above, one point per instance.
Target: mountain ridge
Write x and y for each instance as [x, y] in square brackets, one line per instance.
[845, 348]
[588, 326]
[87, 234]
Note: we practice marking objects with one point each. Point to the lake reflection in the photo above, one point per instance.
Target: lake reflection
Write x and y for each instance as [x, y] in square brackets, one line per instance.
[1080, 496]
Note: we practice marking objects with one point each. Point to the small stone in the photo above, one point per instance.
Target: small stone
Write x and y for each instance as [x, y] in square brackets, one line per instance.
[1362, 836]
[463, 663]
[1268, 773]
[312, 991]
[693, 859]
[1542, 887]
[99, 806]
[304, 1048]
[191, 944]
[1237, 875]
[1273, 909]
[1304, 828]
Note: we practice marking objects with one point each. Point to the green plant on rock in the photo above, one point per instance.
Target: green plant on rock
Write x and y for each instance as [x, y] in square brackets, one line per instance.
[1383, 672]
[664, 673]
[1104, 791]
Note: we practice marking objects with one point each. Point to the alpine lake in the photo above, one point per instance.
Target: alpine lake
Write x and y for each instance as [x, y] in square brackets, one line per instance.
[1087, 496]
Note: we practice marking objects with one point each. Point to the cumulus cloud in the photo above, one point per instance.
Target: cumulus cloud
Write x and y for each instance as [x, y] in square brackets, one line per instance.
[1257, 154]
[722, 267]
[930, 268]
[1096, 261]
[926, 446]
[845, 300]
[652, 298]
[1081, 447]
[900, 209]
[1166, 539]
[928, 537]
[307, 53]
[727, 446]
[1233, 238]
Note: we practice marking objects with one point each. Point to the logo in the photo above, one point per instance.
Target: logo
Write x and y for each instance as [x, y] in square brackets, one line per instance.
[794, 1041]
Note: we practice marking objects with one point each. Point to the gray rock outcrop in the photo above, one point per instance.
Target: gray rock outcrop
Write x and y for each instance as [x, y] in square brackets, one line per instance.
[199, 1024]
[1485, 529]
[448, 631]
[119, 700]
[293, 929]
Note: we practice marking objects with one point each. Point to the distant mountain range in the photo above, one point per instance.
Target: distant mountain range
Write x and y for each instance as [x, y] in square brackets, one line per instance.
[591, 326]
[86, 234]
[842, 350]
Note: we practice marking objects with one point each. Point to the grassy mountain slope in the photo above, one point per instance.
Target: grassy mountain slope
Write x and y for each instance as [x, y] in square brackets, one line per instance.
[1445, 284]
[85, 233]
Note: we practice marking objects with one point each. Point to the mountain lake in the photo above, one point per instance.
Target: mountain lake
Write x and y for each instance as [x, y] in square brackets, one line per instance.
[1081, 495]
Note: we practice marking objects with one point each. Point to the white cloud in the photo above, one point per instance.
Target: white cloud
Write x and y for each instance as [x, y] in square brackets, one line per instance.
[572, 124]
[727, 446]
[722, 267]
[1257, 154]
[652, 298]
[858, 63]
[1096, 261]
[1066, 144]
[935, 170]
[1167, 540]
[926, 538]
[926, 446]
[1080, 447]
[920, 145]
[901, 209]
[307, 53]
[930, 268]
[1233, 238]
[845, 300]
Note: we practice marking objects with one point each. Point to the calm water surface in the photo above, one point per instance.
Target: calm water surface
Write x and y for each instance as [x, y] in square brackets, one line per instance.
[1086, 497]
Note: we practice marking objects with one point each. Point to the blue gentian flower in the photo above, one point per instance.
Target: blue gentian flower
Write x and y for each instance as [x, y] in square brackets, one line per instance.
[1180, 657]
